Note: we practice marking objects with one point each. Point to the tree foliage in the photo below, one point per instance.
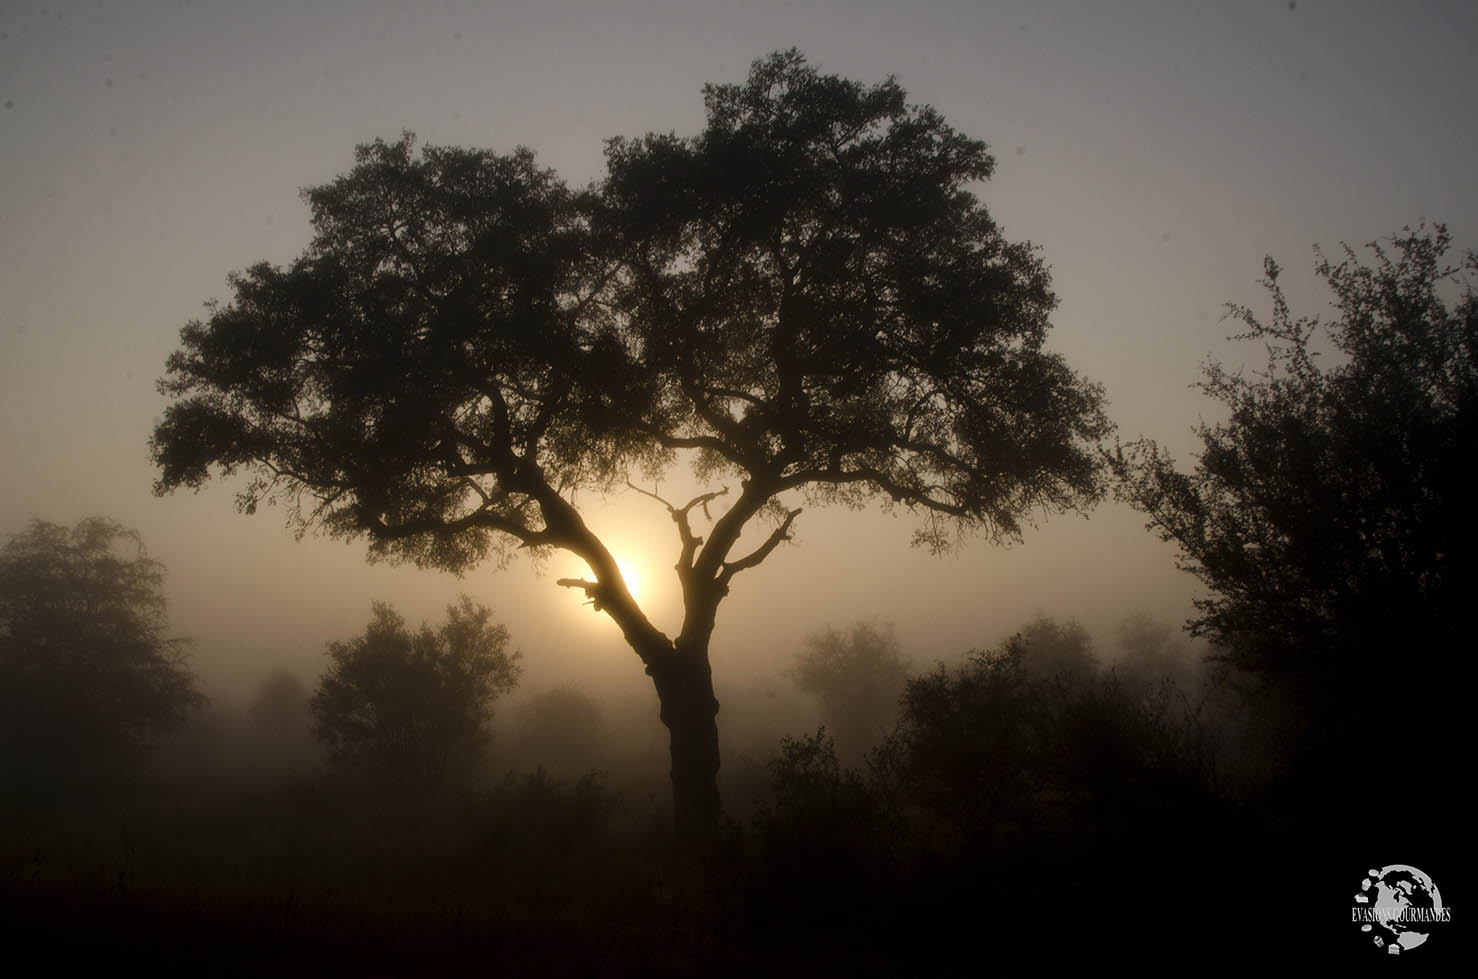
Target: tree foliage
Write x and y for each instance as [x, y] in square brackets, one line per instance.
[88, 673]
[819, 286]
[808, 291]
[806, 299]
[1330, 514]
[411, 709]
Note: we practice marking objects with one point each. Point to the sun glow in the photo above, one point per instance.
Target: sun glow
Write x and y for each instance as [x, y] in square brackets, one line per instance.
[632, 578]
[633, 573]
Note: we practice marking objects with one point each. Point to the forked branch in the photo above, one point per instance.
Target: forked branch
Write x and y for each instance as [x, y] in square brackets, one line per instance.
[781, 533]
[680, 516]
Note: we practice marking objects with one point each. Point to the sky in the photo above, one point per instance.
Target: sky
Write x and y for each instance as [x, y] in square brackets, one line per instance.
[1154, 151]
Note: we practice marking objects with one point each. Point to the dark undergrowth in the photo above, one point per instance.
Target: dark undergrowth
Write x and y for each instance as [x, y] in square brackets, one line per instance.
[539, 877]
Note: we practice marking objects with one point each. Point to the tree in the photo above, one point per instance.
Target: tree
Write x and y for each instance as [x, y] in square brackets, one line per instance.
[1051, 648]
[1153, 652]
[408, 710]
[857, 678]
[88, 675]
[280, 722]
[562, 730]
[1330, 515]
[805, 302]
[279, 709]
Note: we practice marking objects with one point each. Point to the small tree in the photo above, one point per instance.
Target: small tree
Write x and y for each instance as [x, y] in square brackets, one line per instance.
[409, 709]
[857, 678]
[88, 674]
[805, 302]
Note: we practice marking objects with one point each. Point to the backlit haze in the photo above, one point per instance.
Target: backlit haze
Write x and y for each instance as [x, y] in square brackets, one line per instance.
[1154, 151]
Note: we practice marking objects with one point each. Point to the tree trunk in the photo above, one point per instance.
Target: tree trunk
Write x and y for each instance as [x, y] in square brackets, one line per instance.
[684, 684]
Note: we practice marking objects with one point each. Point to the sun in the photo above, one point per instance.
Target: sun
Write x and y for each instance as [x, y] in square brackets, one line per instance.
[632, 577]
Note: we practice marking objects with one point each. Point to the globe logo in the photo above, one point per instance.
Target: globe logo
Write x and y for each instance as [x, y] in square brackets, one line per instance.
[1398, 907]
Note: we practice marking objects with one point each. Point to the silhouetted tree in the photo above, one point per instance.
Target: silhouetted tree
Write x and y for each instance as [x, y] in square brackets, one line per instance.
[856, 677]
[806, 300]
[88, 675]
[1330, 515]
[409, 709]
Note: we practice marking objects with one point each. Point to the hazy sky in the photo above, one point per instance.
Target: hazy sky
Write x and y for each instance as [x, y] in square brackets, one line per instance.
[1154, 150]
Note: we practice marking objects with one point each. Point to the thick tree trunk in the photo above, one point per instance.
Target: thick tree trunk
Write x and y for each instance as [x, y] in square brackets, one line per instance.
[689, 709]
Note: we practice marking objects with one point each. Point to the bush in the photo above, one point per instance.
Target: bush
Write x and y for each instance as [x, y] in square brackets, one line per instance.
[989, 757]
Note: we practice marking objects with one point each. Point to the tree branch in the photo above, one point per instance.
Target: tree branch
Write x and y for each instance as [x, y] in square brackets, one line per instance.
[690, 541]
[524, 534]
[781, 533]
[592, 590]
[712, 444]
[897, 491]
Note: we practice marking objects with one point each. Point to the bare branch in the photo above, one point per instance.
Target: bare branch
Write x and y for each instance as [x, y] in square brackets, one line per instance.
[780, 534]
[653, 495]
[704, 500]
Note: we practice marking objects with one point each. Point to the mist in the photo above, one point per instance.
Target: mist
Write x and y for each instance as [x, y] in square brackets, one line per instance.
[995, 658]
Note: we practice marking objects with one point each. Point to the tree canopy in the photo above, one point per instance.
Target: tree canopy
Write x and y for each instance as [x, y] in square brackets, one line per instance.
[88, 672]
[408, 710]
[805, 301]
